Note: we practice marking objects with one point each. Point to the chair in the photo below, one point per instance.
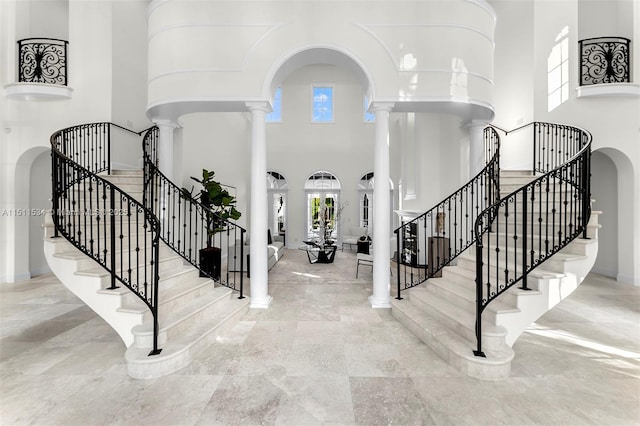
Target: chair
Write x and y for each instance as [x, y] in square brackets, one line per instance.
[365, 260]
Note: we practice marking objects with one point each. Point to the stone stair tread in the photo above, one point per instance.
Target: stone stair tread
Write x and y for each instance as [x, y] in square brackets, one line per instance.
[169, 294]
[76, 254]
[99, 271]
[469, 294]
[471, 275]
[176, 352]
[453, 341]
[461, 316]
[215, 295]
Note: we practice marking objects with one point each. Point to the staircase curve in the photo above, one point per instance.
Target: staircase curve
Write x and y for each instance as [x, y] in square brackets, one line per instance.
[477, 278]
[112, 238]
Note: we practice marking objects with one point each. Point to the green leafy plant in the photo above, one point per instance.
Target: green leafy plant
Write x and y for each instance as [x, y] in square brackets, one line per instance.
[218, 200]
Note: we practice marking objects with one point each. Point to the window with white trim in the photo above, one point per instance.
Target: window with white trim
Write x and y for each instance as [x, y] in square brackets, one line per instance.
[322, 104]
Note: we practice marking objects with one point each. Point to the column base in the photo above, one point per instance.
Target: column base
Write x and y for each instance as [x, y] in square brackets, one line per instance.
[260, 303]
[379, 302]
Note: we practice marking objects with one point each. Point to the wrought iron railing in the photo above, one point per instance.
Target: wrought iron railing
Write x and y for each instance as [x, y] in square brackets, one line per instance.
[604, 60]
[527, 227]
[431, 241]
[190, 228]
[43, 60]
[100, 219]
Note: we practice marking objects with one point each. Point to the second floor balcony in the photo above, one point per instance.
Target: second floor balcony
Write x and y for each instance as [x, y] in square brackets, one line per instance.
[605, 67]
[42, 71]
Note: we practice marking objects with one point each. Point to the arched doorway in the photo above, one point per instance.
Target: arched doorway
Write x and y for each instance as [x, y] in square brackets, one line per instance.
[322, 190]
[31, 192]
[612, 188]
[277, 190]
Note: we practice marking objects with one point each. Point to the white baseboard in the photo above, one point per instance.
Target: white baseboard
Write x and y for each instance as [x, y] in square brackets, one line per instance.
[15, 278]
[41, 271]
[611, 273]
[627, 279]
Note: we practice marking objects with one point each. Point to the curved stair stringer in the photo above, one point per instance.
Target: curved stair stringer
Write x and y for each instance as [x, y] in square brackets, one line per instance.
[441, 311]
[553, 282]
[65, 261]
[194, 311]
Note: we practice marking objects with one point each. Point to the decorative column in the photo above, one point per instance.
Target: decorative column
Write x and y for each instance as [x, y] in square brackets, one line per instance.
[381, 297]
[165, 147]
[476, 146]
[259, 210]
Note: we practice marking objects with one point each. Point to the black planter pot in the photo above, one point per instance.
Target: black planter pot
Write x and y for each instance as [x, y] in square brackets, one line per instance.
[210, 262]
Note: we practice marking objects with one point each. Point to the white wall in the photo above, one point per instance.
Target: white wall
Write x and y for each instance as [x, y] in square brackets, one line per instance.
[129, 64]
[434, 159]
[514, 63]
[218, 142]
[42, 18]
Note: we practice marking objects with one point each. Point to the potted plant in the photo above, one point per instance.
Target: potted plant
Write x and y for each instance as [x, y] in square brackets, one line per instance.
[221, 208]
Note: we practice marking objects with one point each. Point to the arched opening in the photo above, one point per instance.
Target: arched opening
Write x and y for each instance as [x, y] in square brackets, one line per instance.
[39, 196]
[612, 188]
[32, 192]
[343, 144]
[323, 208]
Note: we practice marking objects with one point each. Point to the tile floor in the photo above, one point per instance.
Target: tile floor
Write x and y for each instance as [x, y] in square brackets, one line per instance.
[318, 356]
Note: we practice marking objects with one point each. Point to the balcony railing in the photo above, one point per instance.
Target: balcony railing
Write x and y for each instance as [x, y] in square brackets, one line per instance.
[604, 60]
[42, 60]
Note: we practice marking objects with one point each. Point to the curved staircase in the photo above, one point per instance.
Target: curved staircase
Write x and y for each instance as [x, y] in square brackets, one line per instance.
[443, 310]
[160, 304]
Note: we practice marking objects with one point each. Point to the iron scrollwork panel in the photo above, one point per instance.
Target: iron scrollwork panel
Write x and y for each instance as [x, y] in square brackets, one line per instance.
[43, 61]
[604, 60]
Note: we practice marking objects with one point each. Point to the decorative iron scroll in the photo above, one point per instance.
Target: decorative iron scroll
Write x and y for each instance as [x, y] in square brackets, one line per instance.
[604, 60]
[42, 60]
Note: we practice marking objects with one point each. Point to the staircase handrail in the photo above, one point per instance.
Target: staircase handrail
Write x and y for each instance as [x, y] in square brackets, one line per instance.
[562, 154]
[184, 221]
[432, 227]
[93, 213]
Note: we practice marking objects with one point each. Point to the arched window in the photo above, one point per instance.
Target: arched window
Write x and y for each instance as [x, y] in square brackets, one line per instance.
[323, 198]
[558, 71]
[277, 189]
[365, 200]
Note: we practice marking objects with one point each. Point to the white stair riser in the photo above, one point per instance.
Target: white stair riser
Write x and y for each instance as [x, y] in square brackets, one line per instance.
[461, 360]
[169, 306]
[465, 330]
[457, 276]
[145, 339]
[99, 232]
[82, 200]
[148, 368]
[85, 262]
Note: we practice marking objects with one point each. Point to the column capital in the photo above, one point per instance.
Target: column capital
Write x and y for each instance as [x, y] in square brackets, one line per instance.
[166, 123]
[381, 106]
[470, 124]
[258, 106]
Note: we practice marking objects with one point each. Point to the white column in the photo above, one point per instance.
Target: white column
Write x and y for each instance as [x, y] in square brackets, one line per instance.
[476, 146]
[165, 147]
[259, 210]
[381, 297]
